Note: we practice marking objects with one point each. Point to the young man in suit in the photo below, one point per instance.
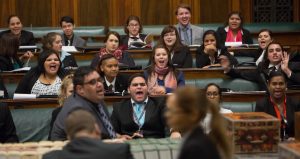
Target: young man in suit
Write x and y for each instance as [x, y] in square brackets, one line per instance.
[189, 34]
[69, 38]
[88, 95]
[140, 116]
[85, 140]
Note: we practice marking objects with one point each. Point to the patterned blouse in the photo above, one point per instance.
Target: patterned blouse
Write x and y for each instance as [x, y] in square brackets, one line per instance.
[40, 88]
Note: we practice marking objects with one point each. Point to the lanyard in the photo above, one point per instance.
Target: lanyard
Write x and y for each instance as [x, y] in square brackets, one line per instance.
[136, 118]
[280, 114]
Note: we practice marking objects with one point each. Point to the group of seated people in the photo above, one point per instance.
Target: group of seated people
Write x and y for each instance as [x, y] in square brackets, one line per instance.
[188, 111]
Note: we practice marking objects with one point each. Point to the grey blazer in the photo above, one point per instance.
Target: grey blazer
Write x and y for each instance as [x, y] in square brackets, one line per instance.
[72, 103]
[77, 41]
[197, 34]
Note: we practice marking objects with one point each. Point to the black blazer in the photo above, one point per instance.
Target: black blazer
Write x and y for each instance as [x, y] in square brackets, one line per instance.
[7, 126]
[26, 38]
[246, 37]
[182, 58]
[292, 106]
[27, 82]
[154, 126]
[3, 88]
[202, 59]
[253, 54]
[126, 59]
[125, 38]
[198, 145]
[261, 75]
[69, 61]
[54, 114]
[7, 65]
[120, 84]
[84, 148]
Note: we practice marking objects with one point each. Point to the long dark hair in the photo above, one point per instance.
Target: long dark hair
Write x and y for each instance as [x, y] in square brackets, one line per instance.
[9, 45]
[265, 62]
[168, 29]
[235, 13]
[43, 57]
[215, 34]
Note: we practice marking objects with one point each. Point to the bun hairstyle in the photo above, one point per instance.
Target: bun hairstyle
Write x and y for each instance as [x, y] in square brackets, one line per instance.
[48, 40]
[102, 59]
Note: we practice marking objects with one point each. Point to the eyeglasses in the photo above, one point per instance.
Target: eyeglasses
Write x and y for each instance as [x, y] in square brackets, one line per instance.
[137, 84]
[94, 81]
[210, 94]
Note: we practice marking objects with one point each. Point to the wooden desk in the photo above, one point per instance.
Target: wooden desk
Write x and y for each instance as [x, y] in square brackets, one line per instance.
[109, 100]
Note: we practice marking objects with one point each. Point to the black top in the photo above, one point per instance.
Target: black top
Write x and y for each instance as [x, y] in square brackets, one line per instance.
[69, 61]
[154, 126]
[121, 83]
[89, 148]
[292, 106]
[198, 145]
[126, 59]
[202, 59]
[255, 54]
[7, 65]
[53, 118]
[3, 88]
[261, 75]
[182, 58]
[26, 38]
[125, 38]
[30, 78]
[7, 126]
[246, 36]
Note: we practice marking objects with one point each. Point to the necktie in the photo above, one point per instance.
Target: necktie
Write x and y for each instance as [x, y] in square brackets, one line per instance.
[106, 123]
[139, 114]
[69, 42]
[186, 36]
[134, 38]
[110, 88]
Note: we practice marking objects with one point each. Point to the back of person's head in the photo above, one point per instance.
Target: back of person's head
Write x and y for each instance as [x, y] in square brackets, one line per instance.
[170, 29]
[102, 60]
[235, 13]
[66, 82]
[192, 100]
[79, 75]
[213, 33]
[130, 18]
[66, 19]
[81, 121]
[43, 57]
[49, 39]
[9, 45]
[112, 33]
[185, 6]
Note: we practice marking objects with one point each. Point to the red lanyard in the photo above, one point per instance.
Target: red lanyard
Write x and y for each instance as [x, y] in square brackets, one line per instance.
[276, 108]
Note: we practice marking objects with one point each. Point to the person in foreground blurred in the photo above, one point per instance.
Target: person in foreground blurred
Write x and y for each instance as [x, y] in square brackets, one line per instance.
[186, 108]
[162, 77]
[108, 68]
[211, 53]
[45, 78]
[85, 140]
[180, 54]
[66, 90]
[88, 95]
[140, 116]
[15, 26]
[7, 126]
[279, 104]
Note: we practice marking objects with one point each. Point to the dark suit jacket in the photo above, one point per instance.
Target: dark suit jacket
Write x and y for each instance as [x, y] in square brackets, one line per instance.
[6, 64]
[120, 84]
[7, 126]
[3, 88]
[54, 114]
[26, 38]
[198, 145]
[69, 61]
[154, 126]
[182, 58]
[258, 74]
[126, 59]
[246, 37]
[88, 148]
[202, 59]
[125, 38]
[292, 106]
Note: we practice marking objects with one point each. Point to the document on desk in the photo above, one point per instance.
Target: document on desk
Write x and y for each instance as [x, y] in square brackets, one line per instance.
[24, 96]
[23, 69]
[69, 49]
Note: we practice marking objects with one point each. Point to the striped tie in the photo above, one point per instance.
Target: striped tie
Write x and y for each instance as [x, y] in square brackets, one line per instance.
[106, 123]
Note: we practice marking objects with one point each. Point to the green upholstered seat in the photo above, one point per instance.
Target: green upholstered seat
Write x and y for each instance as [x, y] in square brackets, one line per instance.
[240, 106]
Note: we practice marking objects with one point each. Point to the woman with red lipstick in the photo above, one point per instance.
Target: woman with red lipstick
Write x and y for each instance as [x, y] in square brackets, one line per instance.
[233, 30]
[16, 28]
[45, 78]
[275, 59]
[180, 54]
[112, 42]
[279, 104]
[162, 77]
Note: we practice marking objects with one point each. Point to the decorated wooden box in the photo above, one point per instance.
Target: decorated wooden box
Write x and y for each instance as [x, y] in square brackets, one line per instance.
[253, 132]
[289, 150]
[297, 126]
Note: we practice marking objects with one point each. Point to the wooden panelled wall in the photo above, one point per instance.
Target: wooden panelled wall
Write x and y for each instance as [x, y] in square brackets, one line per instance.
[114, 12]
